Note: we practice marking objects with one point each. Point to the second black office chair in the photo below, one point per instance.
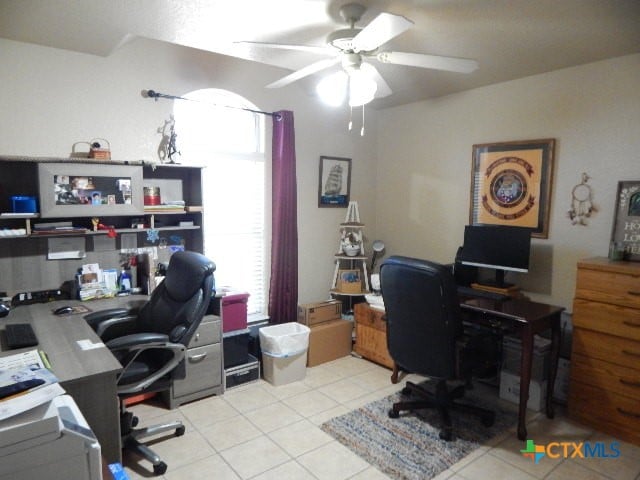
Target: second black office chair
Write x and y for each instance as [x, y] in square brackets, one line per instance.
[151, 342]
[425, 336]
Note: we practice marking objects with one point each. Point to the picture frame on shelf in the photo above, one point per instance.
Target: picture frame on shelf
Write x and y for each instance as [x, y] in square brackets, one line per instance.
[511, 184]
[84, 190]
[625, 234]
[334, 182]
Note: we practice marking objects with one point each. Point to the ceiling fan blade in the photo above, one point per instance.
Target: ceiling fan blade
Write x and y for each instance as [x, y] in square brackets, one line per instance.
[381, 29]
[451, 64]
[303, 72]
[383, 88]
[284, 46]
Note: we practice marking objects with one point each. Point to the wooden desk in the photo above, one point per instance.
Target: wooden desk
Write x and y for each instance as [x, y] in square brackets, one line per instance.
[518, 315]
[89, 376]
[527, 319]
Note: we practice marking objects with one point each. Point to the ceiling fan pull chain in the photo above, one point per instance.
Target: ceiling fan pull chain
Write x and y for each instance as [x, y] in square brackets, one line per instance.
[362, 129]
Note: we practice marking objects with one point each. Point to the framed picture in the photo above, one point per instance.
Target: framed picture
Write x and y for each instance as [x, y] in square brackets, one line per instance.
[334, 182]
[350, 281]
[511, 184]
[81, 190]
[625, 234]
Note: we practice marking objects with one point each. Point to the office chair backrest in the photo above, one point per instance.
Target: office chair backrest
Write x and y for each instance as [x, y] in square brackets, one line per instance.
[178, 304]
[423, 315]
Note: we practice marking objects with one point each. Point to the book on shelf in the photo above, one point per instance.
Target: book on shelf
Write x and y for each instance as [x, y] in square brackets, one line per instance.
[26, 382]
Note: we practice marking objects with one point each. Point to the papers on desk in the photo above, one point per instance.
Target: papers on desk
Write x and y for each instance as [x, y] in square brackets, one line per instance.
[25, 383]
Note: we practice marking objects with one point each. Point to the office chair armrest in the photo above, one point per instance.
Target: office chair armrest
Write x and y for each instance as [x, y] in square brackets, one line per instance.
[136, 344]
[141, 340]
[96, 317]
[112, 323]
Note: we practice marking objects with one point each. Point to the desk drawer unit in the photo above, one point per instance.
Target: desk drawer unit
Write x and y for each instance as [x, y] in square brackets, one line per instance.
[371, 335]
[203, 365]
[604, 390]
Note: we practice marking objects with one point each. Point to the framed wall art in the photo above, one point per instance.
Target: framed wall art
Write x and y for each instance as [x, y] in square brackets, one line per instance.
[511, 184]
[82, 190]
[334, 182]
[625, 234]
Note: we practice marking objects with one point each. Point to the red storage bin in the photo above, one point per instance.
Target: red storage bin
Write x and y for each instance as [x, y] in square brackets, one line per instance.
[232, 309]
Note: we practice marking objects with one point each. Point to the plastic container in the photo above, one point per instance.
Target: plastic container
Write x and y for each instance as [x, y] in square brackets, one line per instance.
[284, 352]
[24, 204]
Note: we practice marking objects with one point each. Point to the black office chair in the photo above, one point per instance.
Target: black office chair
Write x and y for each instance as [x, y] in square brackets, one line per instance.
[151, 342]
[425, 336]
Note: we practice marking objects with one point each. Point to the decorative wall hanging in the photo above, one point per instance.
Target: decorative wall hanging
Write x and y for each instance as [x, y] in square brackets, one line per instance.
[626, 225]
[511, 184]
[334, 182]
[581, 202]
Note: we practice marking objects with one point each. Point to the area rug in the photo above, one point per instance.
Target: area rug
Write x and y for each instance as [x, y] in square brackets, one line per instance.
[409, 447]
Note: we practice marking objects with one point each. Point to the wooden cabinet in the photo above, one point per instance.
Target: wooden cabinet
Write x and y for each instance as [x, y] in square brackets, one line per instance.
[371, 335]
[605, 363]
[203, 363]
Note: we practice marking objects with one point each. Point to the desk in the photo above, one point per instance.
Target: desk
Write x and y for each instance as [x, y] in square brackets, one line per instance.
[89, 376]
[518, 315]
[527, 319]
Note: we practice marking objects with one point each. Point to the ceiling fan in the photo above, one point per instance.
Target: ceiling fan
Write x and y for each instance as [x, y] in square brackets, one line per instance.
[351, 46]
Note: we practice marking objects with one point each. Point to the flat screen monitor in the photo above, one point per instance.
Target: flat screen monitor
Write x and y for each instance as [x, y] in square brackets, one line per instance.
[500, 247]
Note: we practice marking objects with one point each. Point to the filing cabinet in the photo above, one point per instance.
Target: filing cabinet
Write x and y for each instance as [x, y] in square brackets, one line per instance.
[204, 365]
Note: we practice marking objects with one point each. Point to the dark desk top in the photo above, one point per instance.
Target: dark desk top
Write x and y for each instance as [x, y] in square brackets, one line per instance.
[515, 309]
[73, 348]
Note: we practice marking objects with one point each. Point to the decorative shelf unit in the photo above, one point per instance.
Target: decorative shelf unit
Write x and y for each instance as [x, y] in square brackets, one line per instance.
[350, 276]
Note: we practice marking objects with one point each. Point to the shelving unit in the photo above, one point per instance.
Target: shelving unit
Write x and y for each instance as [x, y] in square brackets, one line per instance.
[23, 255]
[350, 277]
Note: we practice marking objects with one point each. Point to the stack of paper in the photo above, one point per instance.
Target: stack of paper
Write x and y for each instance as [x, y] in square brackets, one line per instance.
[25, 383]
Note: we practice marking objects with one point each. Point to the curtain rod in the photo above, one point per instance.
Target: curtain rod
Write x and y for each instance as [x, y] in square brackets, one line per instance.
[156, 95]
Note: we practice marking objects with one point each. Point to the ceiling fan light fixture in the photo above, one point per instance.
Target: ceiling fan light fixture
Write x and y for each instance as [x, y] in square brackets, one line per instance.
[332, 89]
[362, 88]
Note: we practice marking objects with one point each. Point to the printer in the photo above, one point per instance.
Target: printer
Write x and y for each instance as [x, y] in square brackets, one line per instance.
[51, 441]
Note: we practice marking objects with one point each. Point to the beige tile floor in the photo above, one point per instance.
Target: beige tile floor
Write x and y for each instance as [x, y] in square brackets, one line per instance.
[261, 432]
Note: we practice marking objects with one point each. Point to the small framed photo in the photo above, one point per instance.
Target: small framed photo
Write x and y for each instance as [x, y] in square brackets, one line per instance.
[625, 234]
[334, 182]
[350, 281]
[511, 184]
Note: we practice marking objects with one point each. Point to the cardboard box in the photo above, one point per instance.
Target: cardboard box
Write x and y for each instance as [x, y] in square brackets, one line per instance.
[312, 313]
[510, 391]
[329, 341]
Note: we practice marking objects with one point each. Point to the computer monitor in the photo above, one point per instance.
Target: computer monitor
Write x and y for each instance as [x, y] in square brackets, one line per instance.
[500, 247]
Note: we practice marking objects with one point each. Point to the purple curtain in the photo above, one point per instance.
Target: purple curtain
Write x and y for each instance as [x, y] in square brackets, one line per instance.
[283, 289]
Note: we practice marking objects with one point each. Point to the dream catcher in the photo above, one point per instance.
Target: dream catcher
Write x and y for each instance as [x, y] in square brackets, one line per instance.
[581, 202]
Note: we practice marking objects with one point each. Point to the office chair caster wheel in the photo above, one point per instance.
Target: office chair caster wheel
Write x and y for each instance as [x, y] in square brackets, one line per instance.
[393, 414]
[446, 434]
[180, 431]
[160, 468]
[488, 419]
[134, 421]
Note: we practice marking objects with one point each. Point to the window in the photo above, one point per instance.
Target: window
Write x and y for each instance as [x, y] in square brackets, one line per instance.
[229, 143]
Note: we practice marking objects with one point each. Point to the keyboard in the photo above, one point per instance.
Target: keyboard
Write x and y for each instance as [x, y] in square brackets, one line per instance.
[476, 293]
[20, 335]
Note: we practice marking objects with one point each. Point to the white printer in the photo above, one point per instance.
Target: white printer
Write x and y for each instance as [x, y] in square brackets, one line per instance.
[51, 441]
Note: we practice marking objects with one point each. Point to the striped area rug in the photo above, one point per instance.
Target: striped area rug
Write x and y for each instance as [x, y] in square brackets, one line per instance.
[409, 448]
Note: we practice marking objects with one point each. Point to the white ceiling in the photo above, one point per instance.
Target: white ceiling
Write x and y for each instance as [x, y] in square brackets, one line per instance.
[509, 38]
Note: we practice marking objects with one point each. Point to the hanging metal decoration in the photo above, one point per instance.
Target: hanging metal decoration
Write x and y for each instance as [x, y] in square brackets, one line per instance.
[581, 202]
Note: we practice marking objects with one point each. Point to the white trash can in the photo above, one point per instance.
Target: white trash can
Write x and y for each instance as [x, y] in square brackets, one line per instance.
[284, 352]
